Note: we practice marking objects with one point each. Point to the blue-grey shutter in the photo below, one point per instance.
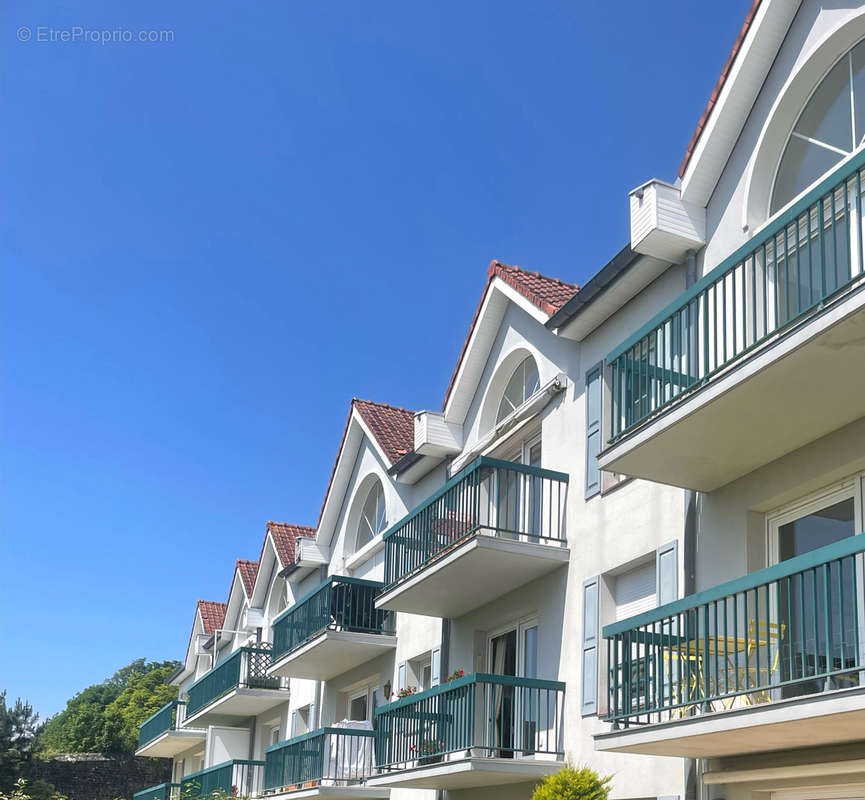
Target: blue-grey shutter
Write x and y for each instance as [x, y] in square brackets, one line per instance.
[594, 397]
[590, 647]
[667, 566]
[293, 725]
[313, 721]
[400, 677]
[436, 667]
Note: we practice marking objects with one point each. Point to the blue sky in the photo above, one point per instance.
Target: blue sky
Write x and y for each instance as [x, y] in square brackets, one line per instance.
[210, 245]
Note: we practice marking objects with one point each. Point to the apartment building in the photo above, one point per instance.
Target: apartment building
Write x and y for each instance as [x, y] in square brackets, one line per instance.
[630, 538]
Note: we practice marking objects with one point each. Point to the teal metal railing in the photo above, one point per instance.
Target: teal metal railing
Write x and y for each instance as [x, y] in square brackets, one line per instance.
[245, 668]
[164, 791]
[483, 715]
[792, 629]
[339, 604]
[333, 756]
[788, 271]
[238, 778]
[489, 497]
[163, 720]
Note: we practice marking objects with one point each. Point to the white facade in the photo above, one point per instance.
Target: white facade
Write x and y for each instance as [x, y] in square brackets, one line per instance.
[750, 465]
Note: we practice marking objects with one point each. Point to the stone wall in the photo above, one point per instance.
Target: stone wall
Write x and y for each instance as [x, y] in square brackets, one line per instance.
[94, 776]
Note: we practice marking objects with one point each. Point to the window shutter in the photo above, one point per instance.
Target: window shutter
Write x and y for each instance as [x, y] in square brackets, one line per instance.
[313, 721]
[590, 647]
[667, 564]
[593, 430]
[400, 677]
[436, 667]
[293, 725]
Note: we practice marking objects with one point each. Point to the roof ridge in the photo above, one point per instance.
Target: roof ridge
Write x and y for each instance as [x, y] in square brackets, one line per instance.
[536, 273]
[382, 405]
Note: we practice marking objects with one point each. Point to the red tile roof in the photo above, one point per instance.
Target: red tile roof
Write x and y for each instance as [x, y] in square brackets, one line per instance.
[713, 98]
[248, 573]
[392, 427]
[212, 615]
[284, 538]
[548, 294]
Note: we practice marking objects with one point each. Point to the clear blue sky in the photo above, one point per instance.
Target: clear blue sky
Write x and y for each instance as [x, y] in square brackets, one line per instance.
[209, 246]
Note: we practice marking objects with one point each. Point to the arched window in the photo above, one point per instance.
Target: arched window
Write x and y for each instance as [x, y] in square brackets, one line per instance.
[522, 385]
[373, 516]
[830, 127]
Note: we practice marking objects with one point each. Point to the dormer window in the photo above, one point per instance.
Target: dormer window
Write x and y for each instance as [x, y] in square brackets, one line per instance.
[373, 516]
[522, 385]
[830, 127]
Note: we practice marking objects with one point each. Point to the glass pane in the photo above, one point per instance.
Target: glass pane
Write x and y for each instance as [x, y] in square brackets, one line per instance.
[812, 649]
[826, 116]
[816, 530]
[522, 385]
[859, 90]
[801, 165]
[530, 655]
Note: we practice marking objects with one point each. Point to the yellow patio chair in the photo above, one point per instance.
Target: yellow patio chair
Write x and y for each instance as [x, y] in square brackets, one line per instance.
[761, 635]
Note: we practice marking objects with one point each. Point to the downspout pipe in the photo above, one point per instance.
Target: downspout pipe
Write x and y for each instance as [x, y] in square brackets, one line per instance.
[689, 555]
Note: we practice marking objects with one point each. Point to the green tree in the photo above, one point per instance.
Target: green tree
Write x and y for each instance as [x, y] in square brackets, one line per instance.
[104, 718]
[573, 783]
[19, 731]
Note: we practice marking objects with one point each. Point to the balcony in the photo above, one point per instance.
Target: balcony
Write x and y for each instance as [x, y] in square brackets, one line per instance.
[334, 628]
[771, 661]
[478, 730]
[237, 687]
[161, 736]
[330, 762]
[493, 527]
[236, 778]
[726, 379]
[164, 791]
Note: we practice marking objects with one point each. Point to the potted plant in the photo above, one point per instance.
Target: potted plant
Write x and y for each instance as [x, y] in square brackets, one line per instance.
[429, 751]
[406, 692]
[458, 674]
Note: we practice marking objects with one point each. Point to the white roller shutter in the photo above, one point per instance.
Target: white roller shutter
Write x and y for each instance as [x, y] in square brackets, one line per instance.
[635, 590]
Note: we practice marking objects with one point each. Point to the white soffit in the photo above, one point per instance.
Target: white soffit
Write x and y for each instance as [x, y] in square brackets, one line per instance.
[736, 99]
[612, 298]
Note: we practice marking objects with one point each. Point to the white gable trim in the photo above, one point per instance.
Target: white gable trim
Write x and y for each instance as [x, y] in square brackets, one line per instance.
[734, 104]
[483, 334]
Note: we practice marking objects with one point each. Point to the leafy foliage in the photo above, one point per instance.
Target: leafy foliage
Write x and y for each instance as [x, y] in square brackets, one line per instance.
[40, 790]
[19, 731]
[573, 783]
[104, 718]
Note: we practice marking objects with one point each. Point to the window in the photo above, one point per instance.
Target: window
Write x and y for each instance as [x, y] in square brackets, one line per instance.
[274, 735]
[522, 385]
[358, 706]
[373, 516]
[830, 127]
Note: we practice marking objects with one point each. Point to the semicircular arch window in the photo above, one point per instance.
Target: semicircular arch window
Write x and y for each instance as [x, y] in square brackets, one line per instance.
[830, 127]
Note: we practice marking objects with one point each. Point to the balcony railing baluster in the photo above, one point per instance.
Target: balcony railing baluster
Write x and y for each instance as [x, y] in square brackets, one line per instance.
[785, 631]
[489, 497]
[754, 294]
[339, 604]
[482, 715]
[245, 668]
